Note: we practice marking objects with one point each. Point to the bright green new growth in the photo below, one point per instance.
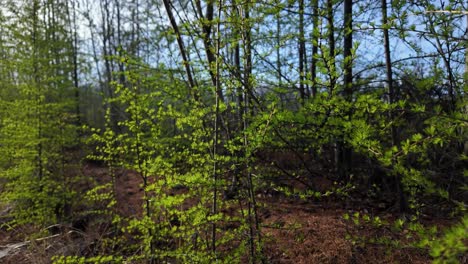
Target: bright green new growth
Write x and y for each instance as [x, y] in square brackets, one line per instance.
[213, 104]
[37, 119]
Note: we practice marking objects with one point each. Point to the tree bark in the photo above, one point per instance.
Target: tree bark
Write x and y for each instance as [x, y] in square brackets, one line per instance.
[315, 39]
[331, 42]
[38, 92]
[182, 50]
[344, 153]
[466, 57]
[302, 53]
[402, 201]
[207, 41]
[347, 49]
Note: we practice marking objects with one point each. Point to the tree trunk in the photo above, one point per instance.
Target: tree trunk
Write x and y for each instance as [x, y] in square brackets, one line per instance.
[207, 41]
[344, 153]
[214, 209]
[183, 52]
[347, 49]
[119, 45]
[38, 92]
[71, 17]
[315, 39]
[402, 202]
[465, 86]
[331, 42]
[302, 53]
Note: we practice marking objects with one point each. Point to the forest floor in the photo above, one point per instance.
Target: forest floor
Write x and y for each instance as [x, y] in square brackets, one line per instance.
[294, 230]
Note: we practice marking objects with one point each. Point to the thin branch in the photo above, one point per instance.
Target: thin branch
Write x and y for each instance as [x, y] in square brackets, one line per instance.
[447, 12]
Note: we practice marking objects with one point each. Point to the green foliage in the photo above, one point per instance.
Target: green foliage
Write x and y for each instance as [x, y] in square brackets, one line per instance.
[168, 144]
[37, 118]
[83, 260]
[449, 247]
[190, 153]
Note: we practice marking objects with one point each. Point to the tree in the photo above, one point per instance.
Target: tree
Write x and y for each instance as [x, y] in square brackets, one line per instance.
[38, 124]
[315, 43]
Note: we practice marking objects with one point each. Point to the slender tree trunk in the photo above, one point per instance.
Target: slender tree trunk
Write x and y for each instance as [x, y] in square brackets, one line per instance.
[402, 202]
[182, 50]
[75, 69]
[239, 101]
[331, 42]
[278, 48]
[143, 171]
[348, 80]
[135, 34]
[106, 42]
[107, 35]
[121, 64]
[237, 66]
[94, 48]
[331, 67]
[302, 53]
[315, 39]
[207, 29]
[388, 64]
[254, 226]
[247, 71]
[347, 49]
[464, 110]
[71, 17]
[466, 58]
[278, 58]
[247, 47]
[214, 209]
[38, 90]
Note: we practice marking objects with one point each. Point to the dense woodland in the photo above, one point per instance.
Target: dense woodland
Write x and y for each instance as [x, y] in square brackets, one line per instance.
[223, 109]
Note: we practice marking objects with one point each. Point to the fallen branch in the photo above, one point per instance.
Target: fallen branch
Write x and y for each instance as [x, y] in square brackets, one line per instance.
[11, 247]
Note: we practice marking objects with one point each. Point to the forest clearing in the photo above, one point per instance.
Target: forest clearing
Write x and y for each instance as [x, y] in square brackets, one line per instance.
[233, 131]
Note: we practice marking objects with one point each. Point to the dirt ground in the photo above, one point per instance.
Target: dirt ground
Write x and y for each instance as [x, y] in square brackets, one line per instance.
[293, 230]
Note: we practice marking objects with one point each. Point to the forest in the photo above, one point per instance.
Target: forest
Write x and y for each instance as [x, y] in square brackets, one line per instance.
[233, 131]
